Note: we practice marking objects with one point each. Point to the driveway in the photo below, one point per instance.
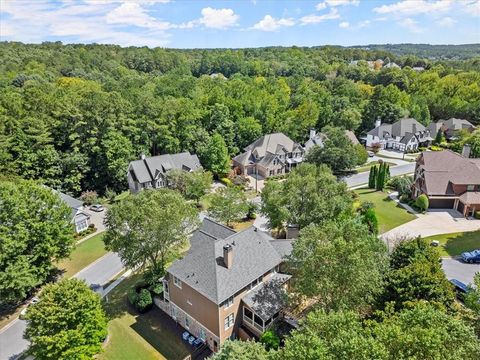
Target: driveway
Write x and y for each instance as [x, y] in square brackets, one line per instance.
[12, 343]
[96, 218]
[455, 269]
[362, 178]
[434, 222]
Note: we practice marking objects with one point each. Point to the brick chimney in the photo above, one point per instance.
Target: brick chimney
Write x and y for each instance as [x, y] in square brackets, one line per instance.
[378, 122]
[466, 151]
[228, 256]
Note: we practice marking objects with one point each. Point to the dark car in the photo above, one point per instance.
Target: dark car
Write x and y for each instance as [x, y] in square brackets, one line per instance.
[471, 257]
[460, 288]
[97, 208]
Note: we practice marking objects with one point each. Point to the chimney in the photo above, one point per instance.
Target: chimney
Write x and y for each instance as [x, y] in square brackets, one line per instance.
[313, 132]
[414, 128]
[466, 151]
[378, 122]
[142, 156]
[228, 255]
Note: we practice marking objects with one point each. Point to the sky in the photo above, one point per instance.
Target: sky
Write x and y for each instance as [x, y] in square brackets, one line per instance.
[237, 24]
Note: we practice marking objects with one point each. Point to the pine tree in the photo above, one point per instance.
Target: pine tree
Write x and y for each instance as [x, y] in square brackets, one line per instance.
[380, 177]
[371, 178]
[387, 173]
[374, 176]
[440, 137]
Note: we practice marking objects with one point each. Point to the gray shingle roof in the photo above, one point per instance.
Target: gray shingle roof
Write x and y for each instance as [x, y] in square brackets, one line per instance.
[399, 128]
[269, 297]
[203, 268]
[149, 169]
[70, 201]
[272, 143]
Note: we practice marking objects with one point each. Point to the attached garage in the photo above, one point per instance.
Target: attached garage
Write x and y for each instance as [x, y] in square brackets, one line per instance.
[441, 203]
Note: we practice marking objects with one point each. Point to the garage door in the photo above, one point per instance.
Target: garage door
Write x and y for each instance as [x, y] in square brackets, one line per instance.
[441, 203]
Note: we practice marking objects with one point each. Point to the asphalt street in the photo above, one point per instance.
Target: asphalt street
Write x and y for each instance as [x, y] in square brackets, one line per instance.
[362, 178]
[12, 343]
[456, 269]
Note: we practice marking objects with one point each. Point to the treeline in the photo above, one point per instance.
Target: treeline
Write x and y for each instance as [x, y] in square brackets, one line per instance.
[75, 115]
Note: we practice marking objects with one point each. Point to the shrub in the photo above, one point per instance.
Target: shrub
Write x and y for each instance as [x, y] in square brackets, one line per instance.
[89, 197]
[156, 289]
[226, 181]
[252, 208]
[144, 301]
[132, 296]
[422, 202]
[435, 148]
[477, 215]
[270, 339]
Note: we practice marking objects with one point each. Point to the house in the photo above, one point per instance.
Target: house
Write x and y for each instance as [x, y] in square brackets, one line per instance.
[450, 180]
[318, 139]
[450, 127]
[150, 172]
[79, 218]
[228, 285]
[404, 135]
[391, 65]
[272, 154]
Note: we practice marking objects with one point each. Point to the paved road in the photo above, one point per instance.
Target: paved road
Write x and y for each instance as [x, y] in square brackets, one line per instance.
[455, 269]
[12, 342]
[362, 178]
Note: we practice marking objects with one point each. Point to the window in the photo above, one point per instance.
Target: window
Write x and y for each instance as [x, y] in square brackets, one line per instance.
[227, 303]
[82, 225]
[187, 322]
[275, 162]
[272, 172]
[202, 334]
[470, 187]
[279, 171]
[229, 321]
[177, 282]
[248, 313]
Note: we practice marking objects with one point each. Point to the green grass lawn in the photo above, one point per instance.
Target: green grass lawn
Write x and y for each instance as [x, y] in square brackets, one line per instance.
[367, 166]
[135, 336]
[389, 214]
[456, 243]
[84, 254]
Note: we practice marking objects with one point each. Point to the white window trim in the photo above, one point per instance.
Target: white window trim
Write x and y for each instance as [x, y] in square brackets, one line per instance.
[227, 324]
[177, 282]
[228, 303]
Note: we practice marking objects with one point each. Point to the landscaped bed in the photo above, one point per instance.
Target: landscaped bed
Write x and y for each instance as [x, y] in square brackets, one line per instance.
[389, 213]
[456, 243]
[133, 336]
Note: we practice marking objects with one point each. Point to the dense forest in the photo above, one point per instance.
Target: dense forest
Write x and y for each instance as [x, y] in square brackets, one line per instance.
[75, 115]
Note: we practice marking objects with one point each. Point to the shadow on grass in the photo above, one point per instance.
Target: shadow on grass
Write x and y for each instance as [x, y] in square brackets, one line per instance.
[162, 333]
[456, 244]
[116, 302]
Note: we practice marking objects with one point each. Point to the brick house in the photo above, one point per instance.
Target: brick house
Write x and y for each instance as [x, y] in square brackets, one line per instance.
[228, 285]
[450, 180]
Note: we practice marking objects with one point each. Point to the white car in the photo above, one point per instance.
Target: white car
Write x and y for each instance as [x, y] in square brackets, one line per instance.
[24, 311]
[371, 153]
[97, 208]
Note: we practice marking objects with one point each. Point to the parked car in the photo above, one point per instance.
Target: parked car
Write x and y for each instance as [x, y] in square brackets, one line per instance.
[97, 208]
[460, 288]
[370, 153]
[24, 311]
[471, 257]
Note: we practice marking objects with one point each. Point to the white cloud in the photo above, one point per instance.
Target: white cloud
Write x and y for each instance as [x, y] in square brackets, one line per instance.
[269, 23]
[218, 18]
[411, 25]
[130, 13]
[414, 7]
[321, 6]
[364, 23]
[334, 3]
[344, 24]
[314, 19]
[446, 22]
[472, 7]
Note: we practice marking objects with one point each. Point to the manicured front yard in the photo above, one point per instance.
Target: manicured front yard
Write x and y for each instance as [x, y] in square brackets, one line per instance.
[456, 243]
[84, 254]
[389, 214]
[135, 336]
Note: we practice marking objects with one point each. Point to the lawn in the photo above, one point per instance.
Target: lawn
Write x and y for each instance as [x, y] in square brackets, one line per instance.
[456, 243]
[367, 166]
[389, 214]
[84, 254]
[134, 336]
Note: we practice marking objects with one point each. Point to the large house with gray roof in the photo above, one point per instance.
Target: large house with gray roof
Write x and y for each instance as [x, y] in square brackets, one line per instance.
[228, 285]
[449, 180]
[404, 135]
[150, 172]
[272, 154]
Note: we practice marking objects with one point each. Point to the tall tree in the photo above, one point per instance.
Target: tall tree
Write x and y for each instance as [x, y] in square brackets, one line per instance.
[228, 204]
[68, 322]
[215, 157]
[149, 229]
[35, 232]
[318, 262]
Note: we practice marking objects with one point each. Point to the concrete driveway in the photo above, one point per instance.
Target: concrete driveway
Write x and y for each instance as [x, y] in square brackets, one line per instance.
[434, 222]
[97, 218]
[456, 269]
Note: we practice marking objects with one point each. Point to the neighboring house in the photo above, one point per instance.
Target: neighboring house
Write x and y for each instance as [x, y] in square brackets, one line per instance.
[318, 139]
[450, 127]
[450, 180]
[228, 285]
[150, 172]
[80, 219]
[403, 135]
[272, 154]
[391, 65]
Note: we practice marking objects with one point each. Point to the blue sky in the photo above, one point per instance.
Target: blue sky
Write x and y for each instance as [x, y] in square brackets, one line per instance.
[246, 23]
